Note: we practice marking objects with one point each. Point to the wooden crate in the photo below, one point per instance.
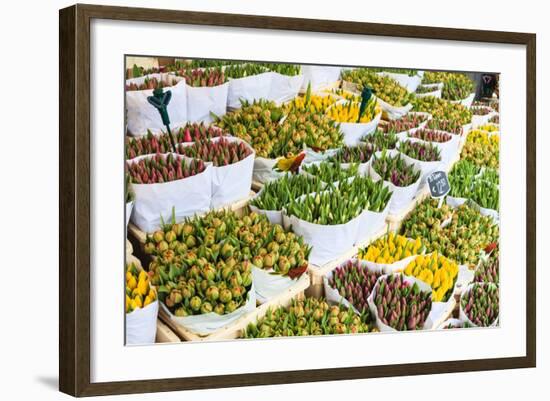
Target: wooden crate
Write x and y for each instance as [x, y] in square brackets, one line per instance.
[317, 273]
[165, 335]
[137, 236]
[236, 328]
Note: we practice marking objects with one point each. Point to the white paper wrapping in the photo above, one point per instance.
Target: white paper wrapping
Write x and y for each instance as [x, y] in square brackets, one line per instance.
[437, 89]
[462, 315]
[274, 216]
[456, 202]
[208, 323]
[319, 76]
[263, 170]
[203, 100]
[129, 207]
[141, 325]
[353, 132]
[328, 242]
[284, 87]
[394, 112]
[408, 82]
[371, 223]
[448, 150]
[482, 120]
[186, 197]
[333, 296]
[402, 196]
[467, 101]
[268, 285]
[142, 116]
[454, 323]
[432, 316]
[426, 168]
[249, 88]
[231, 183]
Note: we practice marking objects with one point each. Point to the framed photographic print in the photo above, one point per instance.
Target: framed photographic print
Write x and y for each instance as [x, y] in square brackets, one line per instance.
[309, 186]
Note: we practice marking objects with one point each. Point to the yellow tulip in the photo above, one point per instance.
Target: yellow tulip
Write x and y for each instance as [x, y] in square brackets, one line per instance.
[143, 286]
[132, 283]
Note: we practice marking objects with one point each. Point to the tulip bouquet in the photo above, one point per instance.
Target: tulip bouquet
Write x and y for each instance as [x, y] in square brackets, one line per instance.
[491, 175]
[225, 239]
[425, 218]
[361, 153]
[481, 149]
[139, 292]
[485, 194]
[391, 248]
[457, 87]
[400, 304]
[284, 69]
[136, 72]
[354, 282]
[348, 112]
[278, 193]
[343, 204]
[483, 137]
[434, 77]
[384, 87]
[203, 77]
[489, 127]
[438, 272]
[222, 152]
[259, 124]
[461, 240]
[381, 140]
[243, 70]
[480, 304]
[351, 96]
[425, 152]
[462, 177]
[306, 317]
[200, 63]
[151, 144]
[317, 130]
[151, 83]
[311, 103]
[451, 126]
[469, 232]
[430, 135]
[395, 170]
[405, 71]
[481, 155]
[405, 123]
[481, 110]
[205, 264]
[488, 270]
[157, 169]
[331, 172]
[424, 89]
[442, 109]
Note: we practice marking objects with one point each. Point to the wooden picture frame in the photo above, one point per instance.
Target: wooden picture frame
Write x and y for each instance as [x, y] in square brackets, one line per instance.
[75, 207]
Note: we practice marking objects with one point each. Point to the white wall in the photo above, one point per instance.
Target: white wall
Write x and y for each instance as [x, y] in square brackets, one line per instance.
[28, 212]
